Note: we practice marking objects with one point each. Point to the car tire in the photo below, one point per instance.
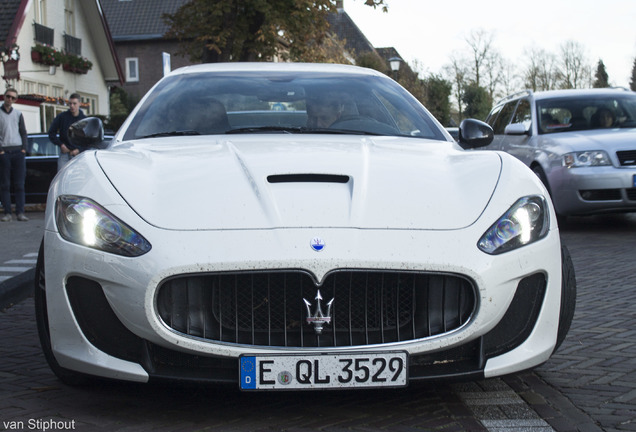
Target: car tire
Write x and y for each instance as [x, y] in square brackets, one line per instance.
[41, 317]
[538, 171]
[568, 296]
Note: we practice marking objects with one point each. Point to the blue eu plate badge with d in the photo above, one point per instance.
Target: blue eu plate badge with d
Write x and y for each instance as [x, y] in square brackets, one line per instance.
[248, 372]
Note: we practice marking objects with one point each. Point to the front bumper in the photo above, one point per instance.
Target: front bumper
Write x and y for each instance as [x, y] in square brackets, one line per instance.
[104, 319]
[102, 328]
[592, 190]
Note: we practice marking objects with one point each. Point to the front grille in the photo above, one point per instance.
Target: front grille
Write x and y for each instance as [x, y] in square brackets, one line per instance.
[268, 308]
[627, 158]
[631, 194]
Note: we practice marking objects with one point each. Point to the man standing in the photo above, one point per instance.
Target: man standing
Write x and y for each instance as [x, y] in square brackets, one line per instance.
[60, 126]
[13, 144]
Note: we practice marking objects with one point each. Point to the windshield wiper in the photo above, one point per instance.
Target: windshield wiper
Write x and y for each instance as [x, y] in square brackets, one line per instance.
[172, 133]
[257, 129]
[298, 130]
[343, 132]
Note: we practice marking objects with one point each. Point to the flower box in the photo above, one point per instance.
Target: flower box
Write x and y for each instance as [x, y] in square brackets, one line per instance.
[69, 68]
[36, 57]
[46, 55]
[76, 64]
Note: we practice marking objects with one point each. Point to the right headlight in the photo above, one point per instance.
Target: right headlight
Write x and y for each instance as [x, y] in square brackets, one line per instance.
[586, 159]
[527, 221]
[82, 221]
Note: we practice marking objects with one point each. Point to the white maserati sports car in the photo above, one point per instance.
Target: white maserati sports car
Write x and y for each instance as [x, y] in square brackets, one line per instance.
[280, 226]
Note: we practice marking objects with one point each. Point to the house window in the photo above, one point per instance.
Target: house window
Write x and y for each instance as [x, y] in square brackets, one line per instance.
[72, 45]
[132, 69]
[91, 109]
[69, 17]
[28, 87]
[43, 34]
[40, 12]
[43, 89]
[48, 112]
[58, 92]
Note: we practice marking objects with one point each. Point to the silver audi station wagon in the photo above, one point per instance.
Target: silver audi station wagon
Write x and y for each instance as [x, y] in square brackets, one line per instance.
[581, 144]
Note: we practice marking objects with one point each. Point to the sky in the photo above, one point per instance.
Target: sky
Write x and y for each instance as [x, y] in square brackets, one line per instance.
[429, 32]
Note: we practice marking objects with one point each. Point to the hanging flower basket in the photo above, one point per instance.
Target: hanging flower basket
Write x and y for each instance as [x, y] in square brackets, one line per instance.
[67, 67]
[46, 55]
[76, 64]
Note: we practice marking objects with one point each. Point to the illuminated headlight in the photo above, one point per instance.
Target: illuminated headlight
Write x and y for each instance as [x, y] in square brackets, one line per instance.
[82, 221]
[527, 221]
[586, 159]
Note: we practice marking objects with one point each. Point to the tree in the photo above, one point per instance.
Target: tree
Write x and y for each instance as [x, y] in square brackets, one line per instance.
[253, 30]
[437, 100]
[573, 70]
[410, 80]
[482, 66]
[601, 79]
[121, 104]
[541, 71]
[510, 80]
[480, 43]
[457, 73]
[632, 83]
[372, 60]
[494, 73]
[477, 102]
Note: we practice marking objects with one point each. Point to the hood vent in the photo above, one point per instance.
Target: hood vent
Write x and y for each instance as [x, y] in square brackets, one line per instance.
[308, 178]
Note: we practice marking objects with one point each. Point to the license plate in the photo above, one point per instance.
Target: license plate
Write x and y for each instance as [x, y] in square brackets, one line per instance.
[323, 371]
[635, 181]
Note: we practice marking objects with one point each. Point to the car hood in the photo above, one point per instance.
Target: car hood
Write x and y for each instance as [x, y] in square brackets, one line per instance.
[597, 139]
[213, 182]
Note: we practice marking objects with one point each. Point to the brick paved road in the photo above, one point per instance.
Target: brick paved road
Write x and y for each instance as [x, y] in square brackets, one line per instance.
[595, 369]
[596, 366]
[30, 391]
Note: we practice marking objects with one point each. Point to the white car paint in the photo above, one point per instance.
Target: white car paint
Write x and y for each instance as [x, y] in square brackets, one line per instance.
[409, 204]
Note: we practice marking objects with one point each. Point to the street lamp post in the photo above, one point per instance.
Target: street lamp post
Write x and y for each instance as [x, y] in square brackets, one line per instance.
[395, 63]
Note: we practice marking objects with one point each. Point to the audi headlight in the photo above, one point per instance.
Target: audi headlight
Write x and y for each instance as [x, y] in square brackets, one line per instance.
[525, 222]
[83, 221]
[586, 159]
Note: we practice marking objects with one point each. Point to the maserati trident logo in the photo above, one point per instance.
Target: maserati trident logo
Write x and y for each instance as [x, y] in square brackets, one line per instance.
[318, 319]
[317, 244]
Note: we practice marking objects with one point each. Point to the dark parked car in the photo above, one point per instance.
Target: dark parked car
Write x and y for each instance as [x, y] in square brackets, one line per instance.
[41, 164]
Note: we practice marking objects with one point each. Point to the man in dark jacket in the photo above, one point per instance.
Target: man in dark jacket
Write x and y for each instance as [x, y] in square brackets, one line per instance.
[60, 127]
[13, 144]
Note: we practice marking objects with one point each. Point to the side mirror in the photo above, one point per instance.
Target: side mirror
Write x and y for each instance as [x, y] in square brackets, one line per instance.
[515, 129]
[86, 133]
[474, 134]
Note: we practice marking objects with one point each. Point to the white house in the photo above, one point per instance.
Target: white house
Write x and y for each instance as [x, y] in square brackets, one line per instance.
[53, 48]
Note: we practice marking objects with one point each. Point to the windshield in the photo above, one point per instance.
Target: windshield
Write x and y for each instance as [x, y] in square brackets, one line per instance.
[587, 112]
[282, 102]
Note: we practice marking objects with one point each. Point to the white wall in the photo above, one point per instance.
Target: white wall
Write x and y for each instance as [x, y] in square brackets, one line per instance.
[31, 117]
[91, 83]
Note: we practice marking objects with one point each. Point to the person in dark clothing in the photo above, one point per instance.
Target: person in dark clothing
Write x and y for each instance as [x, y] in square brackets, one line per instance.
[13, 144]
[58, 132]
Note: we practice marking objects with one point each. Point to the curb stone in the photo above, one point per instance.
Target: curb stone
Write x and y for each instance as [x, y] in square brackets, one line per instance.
[16, 289]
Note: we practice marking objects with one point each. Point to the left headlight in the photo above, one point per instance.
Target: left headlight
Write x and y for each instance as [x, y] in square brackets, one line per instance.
[81, 220]
[527, 221]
